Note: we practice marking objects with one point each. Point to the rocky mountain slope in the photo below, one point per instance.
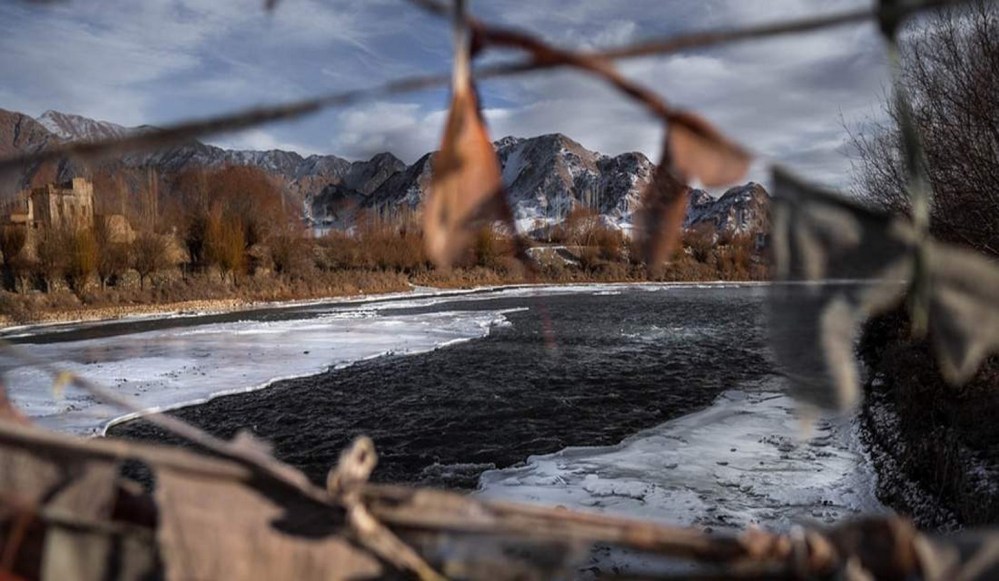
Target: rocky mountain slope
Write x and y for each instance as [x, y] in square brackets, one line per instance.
[71, 127]
[546, 177]
[740, 210]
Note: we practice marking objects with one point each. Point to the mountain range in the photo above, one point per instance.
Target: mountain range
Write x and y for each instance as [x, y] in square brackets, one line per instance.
[546, 176]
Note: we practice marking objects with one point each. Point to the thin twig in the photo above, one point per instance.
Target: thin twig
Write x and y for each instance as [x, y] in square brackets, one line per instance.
[546, 55]
[260, 463]
[720, 36]
[181, 132]
[407, 509]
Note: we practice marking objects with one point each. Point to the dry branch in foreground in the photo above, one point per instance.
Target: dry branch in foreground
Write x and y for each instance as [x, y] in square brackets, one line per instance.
[65, 508]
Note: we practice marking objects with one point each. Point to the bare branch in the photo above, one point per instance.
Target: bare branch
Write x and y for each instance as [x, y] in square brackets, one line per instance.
[252, 458]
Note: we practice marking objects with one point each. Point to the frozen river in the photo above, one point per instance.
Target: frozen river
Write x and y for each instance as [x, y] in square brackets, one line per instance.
[657, 401]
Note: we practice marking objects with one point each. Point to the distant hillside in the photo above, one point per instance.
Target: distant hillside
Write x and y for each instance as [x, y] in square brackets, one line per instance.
[546, 176]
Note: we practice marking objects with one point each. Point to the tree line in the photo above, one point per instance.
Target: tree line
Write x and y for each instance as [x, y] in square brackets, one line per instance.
[217, 227]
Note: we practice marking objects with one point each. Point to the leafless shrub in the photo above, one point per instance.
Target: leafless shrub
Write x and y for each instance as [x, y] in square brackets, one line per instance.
[735, 258]
[52, 256]
[149, 254]
[113, 259]
[374, 244]
[951, 72]
[16, 265]
[82, 260]
[291, 255]
[701, 242]
[492, 249]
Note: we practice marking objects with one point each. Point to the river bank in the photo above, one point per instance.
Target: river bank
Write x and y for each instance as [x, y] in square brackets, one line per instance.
[196, 294]
[86, 314]
[174, 291]
[82, 313]
[570, 366]
[934, 445]
[656, 401]
[182, 359]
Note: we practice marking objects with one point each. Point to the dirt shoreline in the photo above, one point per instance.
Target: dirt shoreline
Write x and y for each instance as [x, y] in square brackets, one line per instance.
[111, 313]
[193, 307]
[228, 305]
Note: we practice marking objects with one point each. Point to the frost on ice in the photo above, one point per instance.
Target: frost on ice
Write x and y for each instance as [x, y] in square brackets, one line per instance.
[731, 465]
[179, 366]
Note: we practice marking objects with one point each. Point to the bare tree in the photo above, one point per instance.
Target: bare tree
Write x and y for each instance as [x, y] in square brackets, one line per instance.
[81, 258]
[114, 257]
[53, 256]
[290, 254]
[16, 265]
[249, 197]
[951, 74]
[150, 255]
[225, 245]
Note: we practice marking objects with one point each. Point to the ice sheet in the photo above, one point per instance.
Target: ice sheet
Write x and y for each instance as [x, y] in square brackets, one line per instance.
[736, 463]
[419, 296]
[169, 368]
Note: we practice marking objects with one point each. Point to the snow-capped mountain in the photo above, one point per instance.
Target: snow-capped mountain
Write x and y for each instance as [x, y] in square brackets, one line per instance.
[20, 133]
[546, 176]
[740, 210]
[302, 177]
[71, 127]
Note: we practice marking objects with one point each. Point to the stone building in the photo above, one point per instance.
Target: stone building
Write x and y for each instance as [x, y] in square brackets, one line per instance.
[68, 206]
[65, 206]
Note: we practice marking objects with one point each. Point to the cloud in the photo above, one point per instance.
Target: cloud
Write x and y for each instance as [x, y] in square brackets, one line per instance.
[261, 140]
[788, 99]
[405, 129]
[118, 59]
[57, 62]
[159, 61]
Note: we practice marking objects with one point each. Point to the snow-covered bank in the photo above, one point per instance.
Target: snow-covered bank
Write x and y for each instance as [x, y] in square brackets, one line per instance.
[181, 366]
[733, 464]
[195, 309]
[192, 309]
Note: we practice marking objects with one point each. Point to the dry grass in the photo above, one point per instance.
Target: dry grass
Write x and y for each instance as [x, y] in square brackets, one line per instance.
[373, 246]
[204, 290]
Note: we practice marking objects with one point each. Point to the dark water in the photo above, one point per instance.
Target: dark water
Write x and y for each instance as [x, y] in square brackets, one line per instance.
[623, 363]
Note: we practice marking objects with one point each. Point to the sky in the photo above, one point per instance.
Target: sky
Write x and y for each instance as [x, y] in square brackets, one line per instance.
[792, 99]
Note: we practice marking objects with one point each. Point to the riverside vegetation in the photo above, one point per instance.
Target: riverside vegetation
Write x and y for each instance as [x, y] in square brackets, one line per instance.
[936, 444]
[229, 237]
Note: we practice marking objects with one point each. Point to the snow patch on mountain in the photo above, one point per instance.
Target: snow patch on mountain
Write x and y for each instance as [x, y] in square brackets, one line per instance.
[740, 210]
[546, 178]
[71, 127]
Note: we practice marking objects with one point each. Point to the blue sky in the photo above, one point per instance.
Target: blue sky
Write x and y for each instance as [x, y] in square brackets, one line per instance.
[156, 61]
